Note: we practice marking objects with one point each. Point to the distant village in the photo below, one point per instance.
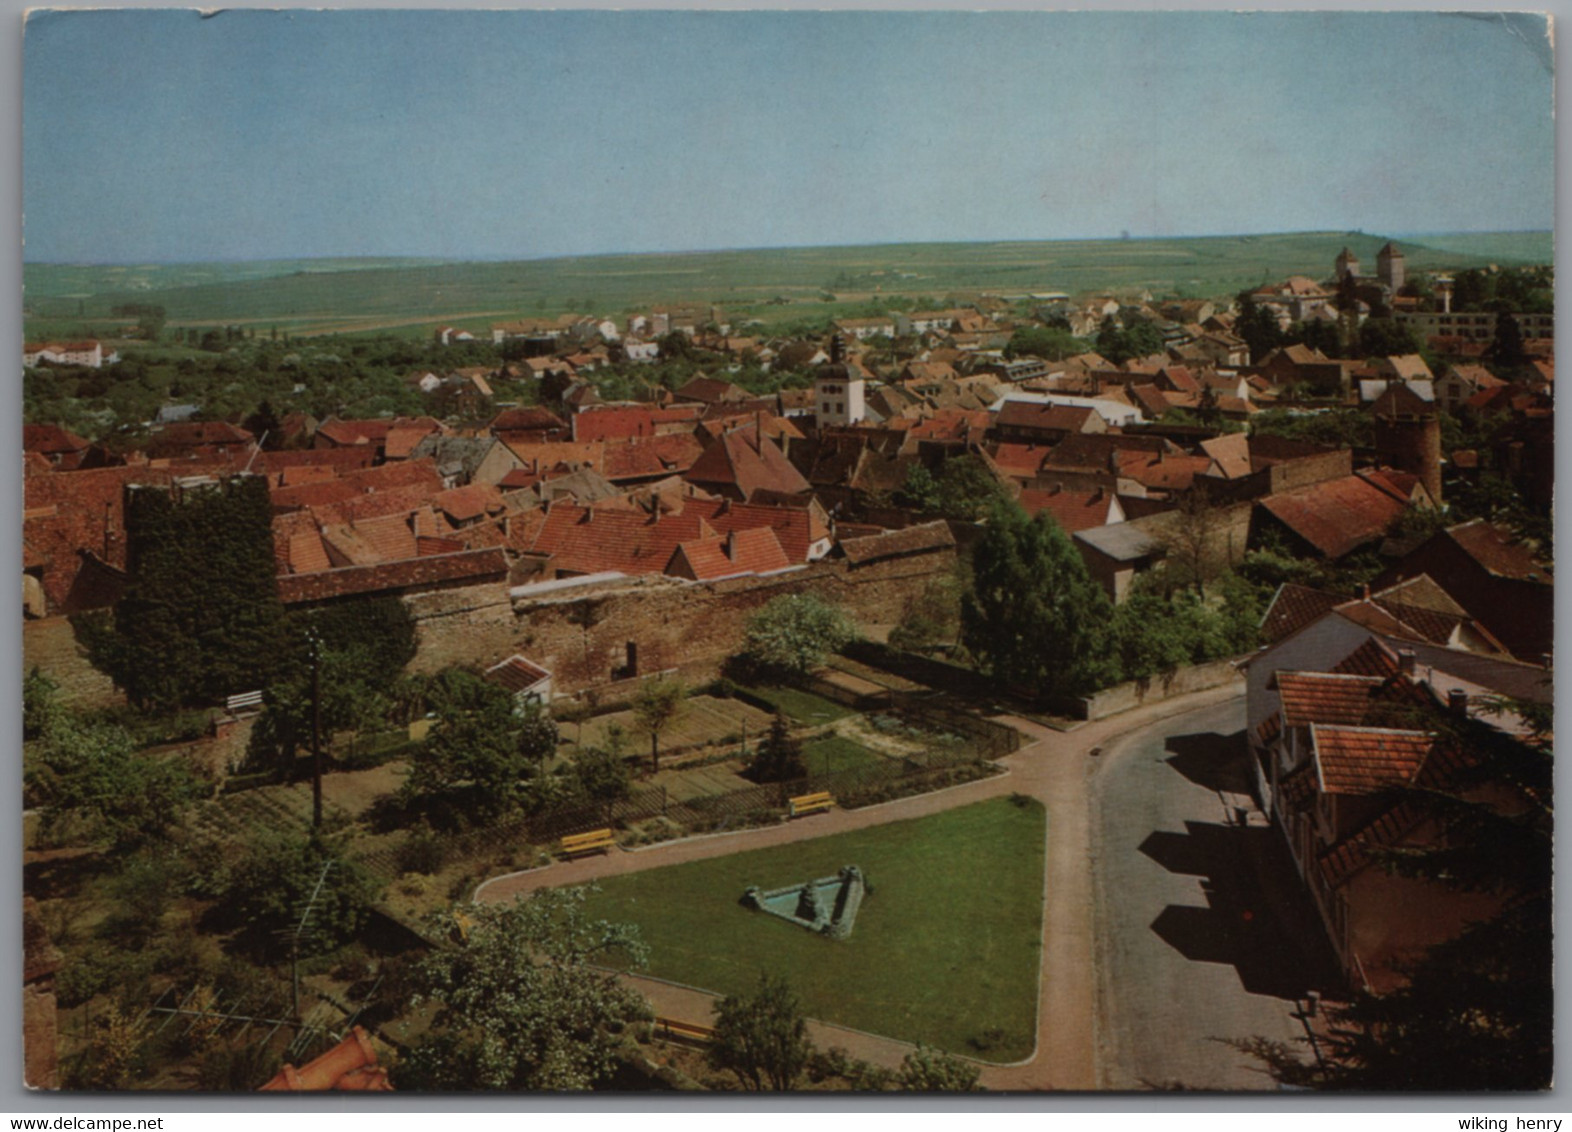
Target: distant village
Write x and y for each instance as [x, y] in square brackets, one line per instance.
[570, 544]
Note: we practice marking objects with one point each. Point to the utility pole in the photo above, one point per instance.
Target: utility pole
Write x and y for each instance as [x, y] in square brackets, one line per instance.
[316, 731]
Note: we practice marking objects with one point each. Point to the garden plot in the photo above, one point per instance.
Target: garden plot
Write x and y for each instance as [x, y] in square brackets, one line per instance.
[705, 720]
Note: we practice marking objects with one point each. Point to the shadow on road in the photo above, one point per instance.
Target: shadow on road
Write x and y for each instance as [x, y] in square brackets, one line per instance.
[1257, 917]
[1217, 762]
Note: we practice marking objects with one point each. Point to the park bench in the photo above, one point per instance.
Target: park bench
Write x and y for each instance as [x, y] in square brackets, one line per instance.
[671, 1030]
[810, 803]
[597, 840]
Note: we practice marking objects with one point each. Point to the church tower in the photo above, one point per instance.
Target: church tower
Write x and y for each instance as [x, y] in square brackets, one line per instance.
[837, 392]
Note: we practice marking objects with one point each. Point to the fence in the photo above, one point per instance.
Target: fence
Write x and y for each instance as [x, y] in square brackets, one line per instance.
[984, 741]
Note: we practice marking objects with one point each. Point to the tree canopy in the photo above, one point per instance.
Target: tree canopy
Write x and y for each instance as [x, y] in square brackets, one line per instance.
[793, 633]
[1034, 618]
[762, 1037]
[527, 1002]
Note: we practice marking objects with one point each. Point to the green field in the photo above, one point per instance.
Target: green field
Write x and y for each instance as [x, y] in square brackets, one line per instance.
[778, 285]
[946, 948]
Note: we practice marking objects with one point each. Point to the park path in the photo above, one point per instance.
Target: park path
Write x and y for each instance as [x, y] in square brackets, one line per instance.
[1052, 766]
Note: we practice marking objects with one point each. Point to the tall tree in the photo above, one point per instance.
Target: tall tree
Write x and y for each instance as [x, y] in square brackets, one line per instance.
[657, 705]
[780, 754]
[1034, 618]
[527, 1002]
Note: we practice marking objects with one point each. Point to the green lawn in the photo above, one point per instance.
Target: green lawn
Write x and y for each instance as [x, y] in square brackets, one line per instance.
[833, 753]
[946, 948]
[803, 707]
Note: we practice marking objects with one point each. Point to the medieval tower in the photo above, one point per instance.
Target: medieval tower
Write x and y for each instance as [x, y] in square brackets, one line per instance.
[1389, 267]
[1408, 435]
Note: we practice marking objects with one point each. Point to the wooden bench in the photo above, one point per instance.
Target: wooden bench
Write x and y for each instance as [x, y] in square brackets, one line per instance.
[597, 840]
[810, 803]
[671, 1030]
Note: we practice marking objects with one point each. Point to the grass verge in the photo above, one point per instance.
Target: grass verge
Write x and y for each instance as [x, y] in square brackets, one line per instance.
[947, 944]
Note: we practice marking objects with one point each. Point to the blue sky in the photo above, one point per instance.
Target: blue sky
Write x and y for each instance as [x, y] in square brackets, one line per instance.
[161, 136]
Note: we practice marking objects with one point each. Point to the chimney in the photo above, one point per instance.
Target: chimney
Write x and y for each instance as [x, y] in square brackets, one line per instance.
[1457, 703]
[1365, 591]
[1405, 662]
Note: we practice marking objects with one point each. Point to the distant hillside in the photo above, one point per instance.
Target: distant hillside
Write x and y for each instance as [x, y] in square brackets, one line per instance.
[776, 285]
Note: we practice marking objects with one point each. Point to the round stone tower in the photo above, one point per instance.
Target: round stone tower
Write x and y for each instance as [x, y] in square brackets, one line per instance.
[1408, 435]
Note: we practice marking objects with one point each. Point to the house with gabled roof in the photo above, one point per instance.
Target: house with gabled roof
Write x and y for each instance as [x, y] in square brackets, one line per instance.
[1501, 581]
[1332, 519]
[1338, 751]
[753, 550]
[740, 462]
[61, 448]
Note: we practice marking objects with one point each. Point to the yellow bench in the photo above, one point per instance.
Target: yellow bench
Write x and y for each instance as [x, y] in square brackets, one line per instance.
[597, 840]
[672, 1030]
[811, 803]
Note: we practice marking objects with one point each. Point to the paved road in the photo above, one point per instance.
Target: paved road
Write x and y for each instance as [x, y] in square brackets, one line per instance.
[1077, 1006]
[1200, 918]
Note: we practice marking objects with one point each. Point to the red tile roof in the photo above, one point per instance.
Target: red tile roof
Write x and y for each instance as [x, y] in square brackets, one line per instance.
[621, 423]
[920, 539]
[587, 540]
[1021, 461]
[1163, 472]
[466, 504]
[1072, 510]
[1338, 516]
[1493, 548]
[752, 551]
[529, 419]
[709, 390]
[796, 528]
[1043, 417]
[1324, 697]
[1366, 760]
[1373, 658]
[339, 460]
[1293, 607]
[744, 463]
[1231, 454]
[649, 457]
[48, 438]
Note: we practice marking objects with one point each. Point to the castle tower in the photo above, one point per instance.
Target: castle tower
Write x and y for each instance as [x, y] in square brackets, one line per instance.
[1347, 265]
[1390, 266]
[837, 391]
[1408, 435]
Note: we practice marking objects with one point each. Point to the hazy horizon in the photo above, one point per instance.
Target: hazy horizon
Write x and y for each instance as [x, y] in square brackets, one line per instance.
[1411, 237]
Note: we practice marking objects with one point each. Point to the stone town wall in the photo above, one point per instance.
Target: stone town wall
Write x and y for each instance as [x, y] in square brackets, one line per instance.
[1155, 689]
[51, 644]
[582, 634]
